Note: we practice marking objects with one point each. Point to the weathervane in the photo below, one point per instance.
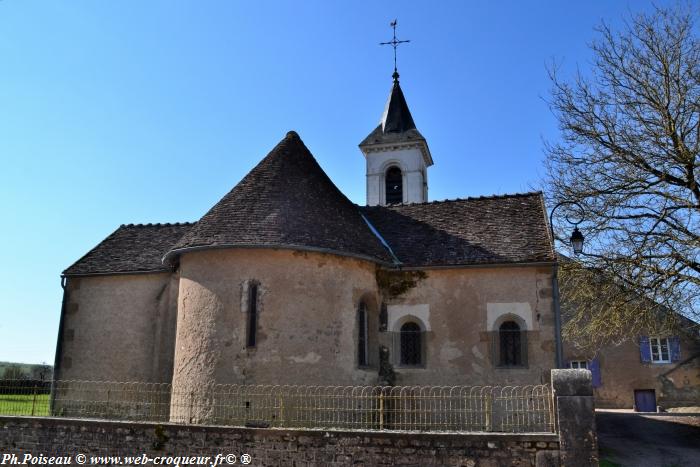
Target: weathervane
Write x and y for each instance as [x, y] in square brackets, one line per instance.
[394, 43]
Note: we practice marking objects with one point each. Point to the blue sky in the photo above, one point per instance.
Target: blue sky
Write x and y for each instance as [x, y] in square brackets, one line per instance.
[137, 112]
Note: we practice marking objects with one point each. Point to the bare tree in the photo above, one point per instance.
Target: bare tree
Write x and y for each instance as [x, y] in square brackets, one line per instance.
[630, 141]
[42, 371]
[14, 372]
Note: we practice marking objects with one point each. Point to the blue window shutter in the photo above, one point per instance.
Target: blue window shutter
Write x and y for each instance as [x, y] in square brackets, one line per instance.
[644, 349]
[675, 344]
[595, 373]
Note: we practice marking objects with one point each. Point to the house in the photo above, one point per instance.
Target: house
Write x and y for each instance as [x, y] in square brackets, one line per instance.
[654, 361]
[649, 371]
[286, 281]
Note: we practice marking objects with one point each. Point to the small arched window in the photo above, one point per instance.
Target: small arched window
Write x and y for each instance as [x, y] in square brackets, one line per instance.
[394, 185]
[362, 336]
[511, 344]
[411, 344]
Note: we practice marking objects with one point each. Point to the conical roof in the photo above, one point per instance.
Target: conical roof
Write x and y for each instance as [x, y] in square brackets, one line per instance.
[286, 201]
[397, 125]
[396, 117]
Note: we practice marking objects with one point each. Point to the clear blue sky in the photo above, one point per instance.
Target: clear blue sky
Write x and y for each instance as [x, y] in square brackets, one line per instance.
[131, 111]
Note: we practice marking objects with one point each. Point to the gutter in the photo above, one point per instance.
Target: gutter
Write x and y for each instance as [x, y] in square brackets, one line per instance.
[178, 251]
[557, 317]
[59, 344]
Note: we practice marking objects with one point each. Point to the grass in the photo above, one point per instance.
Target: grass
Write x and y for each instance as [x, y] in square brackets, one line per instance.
[607, 463]
[21, 404]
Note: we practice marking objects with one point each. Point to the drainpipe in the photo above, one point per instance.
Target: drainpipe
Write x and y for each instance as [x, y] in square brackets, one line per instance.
[59, 343]
[557, 317]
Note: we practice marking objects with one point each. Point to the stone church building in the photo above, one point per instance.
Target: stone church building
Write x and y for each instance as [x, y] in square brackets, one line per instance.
[286, 281]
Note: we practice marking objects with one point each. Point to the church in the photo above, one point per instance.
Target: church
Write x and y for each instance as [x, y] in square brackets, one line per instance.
[286, 281]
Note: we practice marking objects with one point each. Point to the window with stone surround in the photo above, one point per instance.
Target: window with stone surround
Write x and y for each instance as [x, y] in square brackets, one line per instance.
[509, 345]
[411, 344]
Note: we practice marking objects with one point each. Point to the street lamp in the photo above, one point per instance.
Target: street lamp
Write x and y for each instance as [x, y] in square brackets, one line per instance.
[576, 242]
[577, 237]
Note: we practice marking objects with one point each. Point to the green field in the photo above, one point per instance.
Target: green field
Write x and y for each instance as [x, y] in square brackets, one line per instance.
[21, 404]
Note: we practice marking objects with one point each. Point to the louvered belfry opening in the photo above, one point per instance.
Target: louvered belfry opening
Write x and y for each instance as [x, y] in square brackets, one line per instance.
[394, 186]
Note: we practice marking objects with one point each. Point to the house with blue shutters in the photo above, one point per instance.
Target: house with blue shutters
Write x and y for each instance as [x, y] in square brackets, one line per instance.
[650, 372]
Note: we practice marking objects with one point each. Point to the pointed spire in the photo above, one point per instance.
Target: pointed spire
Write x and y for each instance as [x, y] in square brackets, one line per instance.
[396, 117]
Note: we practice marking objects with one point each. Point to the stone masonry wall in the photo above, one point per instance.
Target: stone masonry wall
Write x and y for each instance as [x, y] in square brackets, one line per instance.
[272, 447]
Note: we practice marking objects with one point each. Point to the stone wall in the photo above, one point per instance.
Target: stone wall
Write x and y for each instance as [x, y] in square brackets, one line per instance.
[270, 447]
[464, 309]
[119, 328]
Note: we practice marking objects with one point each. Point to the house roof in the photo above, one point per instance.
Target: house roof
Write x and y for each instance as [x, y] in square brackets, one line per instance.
[485, 230]
[286, 201]
[130, 248]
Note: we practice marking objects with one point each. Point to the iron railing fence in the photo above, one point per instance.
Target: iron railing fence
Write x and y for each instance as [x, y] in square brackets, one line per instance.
[511, 409]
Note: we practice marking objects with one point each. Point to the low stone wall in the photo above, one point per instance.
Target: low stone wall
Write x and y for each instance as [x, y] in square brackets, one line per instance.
[272, 447]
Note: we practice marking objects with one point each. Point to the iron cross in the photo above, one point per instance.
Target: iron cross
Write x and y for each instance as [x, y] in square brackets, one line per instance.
[394, 43]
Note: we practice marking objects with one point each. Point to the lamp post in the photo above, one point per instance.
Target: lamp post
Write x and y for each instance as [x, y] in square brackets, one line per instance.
[576, 241]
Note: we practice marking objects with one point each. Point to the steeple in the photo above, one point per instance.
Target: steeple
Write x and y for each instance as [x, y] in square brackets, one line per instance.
[397, 154]
[397, 118]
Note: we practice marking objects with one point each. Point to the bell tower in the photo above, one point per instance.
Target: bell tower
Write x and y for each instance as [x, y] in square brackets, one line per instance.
[396, 153]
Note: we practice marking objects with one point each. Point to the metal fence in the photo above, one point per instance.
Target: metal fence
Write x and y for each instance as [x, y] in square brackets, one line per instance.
[512, 409]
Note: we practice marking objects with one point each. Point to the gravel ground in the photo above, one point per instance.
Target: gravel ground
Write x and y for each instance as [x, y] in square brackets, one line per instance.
[635, 440]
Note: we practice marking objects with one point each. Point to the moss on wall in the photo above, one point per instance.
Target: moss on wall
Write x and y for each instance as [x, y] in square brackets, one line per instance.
[396, 283]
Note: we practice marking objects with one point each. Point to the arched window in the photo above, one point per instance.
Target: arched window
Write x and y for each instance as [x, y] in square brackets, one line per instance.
[411, 344]
[511, 348]
[394, 185]
[362, 336]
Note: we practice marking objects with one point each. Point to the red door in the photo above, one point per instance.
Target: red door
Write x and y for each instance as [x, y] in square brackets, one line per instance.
[644, 400]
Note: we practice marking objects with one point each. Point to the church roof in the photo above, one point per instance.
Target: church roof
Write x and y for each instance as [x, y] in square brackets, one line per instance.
[396, 125]
[286, 201]
[486, 230]
[131, 248]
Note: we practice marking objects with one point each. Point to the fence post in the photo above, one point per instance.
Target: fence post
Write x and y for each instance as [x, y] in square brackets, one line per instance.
[381, 409]
[34, 400]
[575, 411]
[489, 412]
[281, 410]
[189, 411]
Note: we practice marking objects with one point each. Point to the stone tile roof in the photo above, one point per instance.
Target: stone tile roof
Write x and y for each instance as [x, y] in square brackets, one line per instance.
[131, 248]
[287, 200]
[485, 230]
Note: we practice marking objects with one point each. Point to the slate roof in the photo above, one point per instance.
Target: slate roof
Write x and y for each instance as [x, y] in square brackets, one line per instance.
[396, 125]
[486, 230]
[287, 200]
[131, 248]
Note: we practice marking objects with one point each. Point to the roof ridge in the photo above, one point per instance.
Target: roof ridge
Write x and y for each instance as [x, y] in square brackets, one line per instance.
[159, 224]
[468, 198]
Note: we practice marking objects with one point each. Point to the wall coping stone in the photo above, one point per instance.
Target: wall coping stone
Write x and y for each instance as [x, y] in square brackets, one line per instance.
[316, 432]
[572, 383]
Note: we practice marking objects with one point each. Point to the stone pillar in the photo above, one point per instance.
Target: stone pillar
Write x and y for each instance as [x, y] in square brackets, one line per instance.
[575, 415]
